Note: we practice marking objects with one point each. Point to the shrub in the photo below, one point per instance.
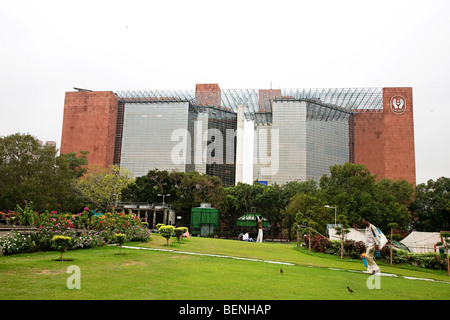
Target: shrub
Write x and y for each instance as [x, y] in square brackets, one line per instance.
[45, 233]
[166, 232]
[138, 233]
[159, 225]
[429, 260]
[17, 243]
[120, 239]
[354, 249]
[334, 248]
[179, 232]
[318, 243]
[88, 239]
[26, 215]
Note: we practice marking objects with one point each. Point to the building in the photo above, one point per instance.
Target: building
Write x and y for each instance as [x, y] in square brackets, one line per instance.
[269, 135]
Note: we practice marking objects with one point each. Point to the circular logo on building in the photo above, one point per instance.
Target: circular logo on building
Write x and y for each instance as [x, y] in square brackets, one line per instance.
[398, 104]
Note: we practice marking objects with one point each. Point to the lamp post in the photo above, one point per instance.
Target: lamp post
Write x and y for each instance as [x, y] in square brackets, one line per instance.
[335, 213]
[164, 205]
[164, 196]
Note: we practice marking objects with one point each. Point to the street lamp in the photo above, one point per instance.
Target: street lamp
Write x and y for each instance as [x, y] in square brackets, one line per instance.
[164, 204]
[164, 196]
[335, 213]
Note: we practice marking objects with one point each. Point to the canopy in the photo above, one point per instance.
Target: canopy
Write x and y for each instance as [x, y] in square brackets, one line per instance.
[250, 220]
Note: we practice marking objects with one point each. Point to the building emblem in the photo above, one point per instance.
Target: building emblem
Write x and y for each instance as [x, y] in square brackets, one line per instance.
[398, 105]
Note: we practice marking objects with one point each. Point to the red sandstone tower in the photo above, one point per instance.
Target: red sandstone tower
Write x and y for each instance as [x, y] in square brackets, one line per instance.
[384, 139]
[89, 124]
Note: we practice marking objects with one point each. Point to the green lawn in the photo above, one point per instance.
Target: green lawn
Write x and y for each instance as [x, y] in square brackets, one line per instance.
[144, 274]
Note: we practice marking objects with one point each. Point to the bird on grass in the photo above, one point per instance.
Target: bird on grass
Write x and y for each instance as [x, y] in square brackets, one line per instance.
[350, 290]
[281, 270]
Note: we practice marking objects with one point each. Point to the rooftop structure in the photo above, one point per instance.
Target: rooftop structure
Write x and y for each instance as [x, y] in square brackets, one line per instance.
[260, 100]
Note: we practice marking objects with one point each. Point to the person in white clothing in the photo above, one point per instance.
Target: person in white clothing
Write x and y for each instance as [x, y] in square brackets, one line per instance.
[247, 238]
[372, 243]
[260, 230]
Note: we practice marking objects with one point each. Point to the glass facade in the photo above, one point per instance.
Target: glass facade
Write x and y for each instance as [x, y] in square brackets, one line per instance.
[156, 136]
[219, 129]
[327, 139]
[302, 142]
[294, 138]
[178, 136]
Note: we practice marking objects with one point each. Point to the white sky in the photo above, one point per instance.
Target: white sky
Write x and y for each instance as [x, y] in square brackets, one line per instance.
[49, 47]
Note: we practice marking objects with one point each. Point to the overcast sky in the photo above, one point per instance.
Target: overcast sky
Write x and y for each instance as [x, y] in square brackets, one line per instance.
[49, 47]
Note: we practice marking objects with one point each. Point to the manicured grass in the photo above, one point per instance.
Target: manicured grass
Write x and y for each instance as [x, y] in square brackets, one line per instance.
[284, 252]
[143, 274]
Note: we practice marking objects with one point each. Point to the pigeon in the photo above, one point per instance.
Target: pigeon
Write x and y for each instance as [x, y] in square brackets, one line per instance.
[281, 270]
[350, 290]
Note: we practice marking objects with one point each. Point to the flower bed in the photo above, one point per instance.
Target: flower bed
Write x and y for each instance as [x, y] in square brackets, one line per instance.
[87, 229]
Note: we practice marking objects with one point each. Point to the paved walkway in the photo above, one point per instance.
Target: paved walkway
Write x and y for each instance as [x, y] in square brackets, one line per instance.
[279, 262]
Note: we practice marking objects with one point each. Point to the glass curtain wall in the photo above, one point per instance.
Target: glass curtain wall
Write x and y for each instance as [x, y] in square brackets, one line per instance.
[156, 136]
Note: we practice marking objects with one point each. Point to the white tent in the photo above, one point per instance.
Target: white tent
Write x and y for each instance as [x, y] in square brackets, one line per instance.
[421, 242]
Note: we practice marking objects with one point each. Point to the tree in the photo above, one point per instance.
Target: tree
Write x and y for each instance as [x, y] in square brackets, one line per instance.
[196, 188]
[292, 188]
[31, 171]
[61, 243]
[392, 226]
[351, 188]
[146, 188]
[76, 164]
[342, 229]
[242, 196]
[305, 223]
[393, 198]
[186, 190]
[432, 204]
[357, 194]
[305, 203]
[446, 244]
[270, 203]
[101, 186]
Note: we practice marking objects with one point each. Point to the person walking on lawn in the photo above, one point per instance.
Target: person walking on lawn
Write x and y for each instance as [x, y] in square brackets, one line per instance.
[372, 243]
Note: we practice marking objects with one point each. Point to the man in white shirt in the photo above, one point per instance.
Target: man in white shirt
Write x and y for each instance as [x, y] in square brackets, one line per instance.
[246, 237]
[372, 243]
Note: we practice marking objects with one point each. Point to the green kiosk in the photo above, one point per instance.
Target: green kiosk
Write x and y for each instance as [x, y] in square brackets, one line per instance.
[204, 220]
